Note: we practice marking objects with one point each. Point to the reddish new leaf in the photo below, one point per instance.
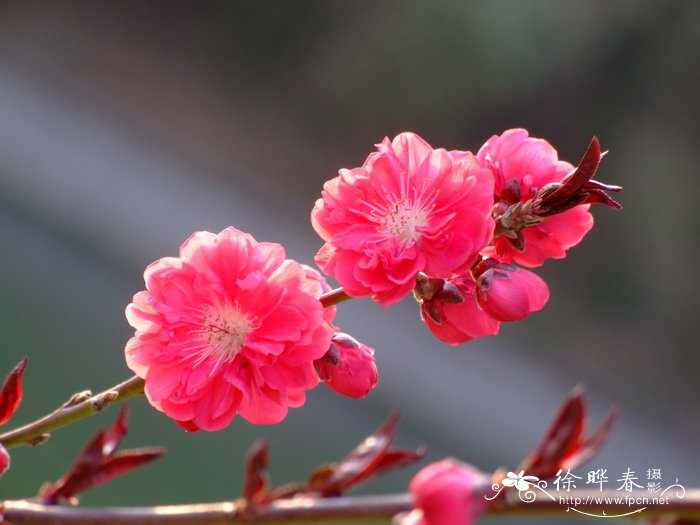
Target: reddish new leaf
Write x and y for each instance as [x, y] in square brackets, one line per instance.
[369, 458]
[11, 393]
[574, 181]
[577, 187]
[564, 445]
[114, 436]
[560, 439]
[99, 463]
[80, 479]
[590, 446]
[255, 485]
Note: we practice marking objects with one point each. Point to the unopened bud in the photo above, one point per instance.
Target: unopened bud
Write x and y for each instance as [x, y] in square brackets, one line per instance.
[508, 293]
[449, 492]
[351, 370]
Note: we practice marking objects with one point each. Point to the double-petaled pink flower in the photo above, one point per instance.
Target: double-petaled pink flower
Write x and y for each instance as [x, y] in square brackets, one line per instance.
[521, 166]
[229, 327]
[409, 208]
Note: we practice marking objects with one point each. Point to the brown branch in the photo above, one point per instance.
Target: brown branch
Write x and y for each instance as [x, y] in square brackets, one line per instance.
[333, 297]
[331, 510]
[78, 407]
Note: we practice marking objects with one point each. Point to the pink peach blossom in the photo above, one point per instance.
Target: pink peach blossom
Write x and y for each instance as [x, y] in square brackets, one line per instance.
[228, 327]
[409, 208]
[521, 166]
[348, 368]
[448, 492]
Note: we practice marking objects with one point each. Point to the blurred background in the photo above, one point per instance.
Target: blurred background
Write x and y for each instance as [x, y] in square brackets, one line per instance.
[125, 126]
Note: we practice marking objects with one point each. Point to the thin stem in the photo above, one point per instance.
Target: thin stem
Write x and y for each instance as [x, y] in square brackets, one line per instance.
[334, 297]
[357, 508]
[79, 407]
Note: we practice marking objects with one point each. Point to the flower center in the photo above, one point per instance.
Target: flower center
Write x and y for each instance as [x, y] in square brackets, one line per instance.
[223, 334]
[402, 220]
[403, 215]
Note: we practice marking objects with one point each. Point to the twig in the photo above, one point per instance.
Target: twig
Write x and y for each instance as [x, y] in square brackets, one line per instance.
[333, 297]
[79, 407]
[332, 510]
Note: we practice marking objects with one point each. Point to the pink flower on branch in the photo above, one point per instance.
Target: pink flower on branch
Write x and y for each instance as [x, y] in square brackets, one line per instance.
[409, 208]
[522, 166]
[229, 327]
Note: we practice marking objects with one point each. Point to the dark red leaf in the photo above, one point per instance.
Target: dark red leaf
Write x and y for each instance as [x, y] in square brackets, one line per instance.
[122, 463]
[574, 181]
[81, 479]
[369, 458]
[564, 445]
[590, 446]
[598, 196]
[577, 187]
[255, 484]
[84, 467]
[560, 440]
[114, 436]
[99, 463]
[11, 392]
[396, 459]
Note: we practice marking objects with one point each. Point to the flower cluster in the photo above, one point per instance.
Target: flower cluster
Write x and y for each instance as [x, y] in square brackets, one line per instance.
[451, 227]
[232, 326]
[229, 327]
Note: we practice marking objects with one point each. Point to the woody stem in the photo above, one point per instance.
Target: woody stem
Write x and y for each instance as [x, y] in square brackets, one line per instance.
[334, 297]
[358, 508]
[78, 407]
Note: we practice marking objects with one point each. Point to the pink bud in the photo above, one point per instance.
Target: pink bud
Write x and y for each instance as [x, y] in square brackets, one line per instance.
[4, 460]
[449, 492]
[348, 368]
[457, 317]
[508, 293]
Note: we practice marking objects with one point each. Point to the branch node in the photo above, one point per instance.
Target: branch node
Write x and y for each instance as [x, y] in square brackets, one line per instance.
[102, 401]
[39, 440]
[78, 397]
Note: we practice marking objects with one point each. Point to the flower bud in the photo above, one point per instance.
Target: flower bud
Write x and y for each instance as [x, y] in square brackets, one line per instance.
[508, 293]
[449, 492]
[348, 367]
[452, 313]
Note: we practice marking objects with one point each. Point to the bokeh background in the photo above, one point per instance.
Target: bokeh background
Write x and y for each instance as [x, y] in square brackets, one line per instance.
[126, 125]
